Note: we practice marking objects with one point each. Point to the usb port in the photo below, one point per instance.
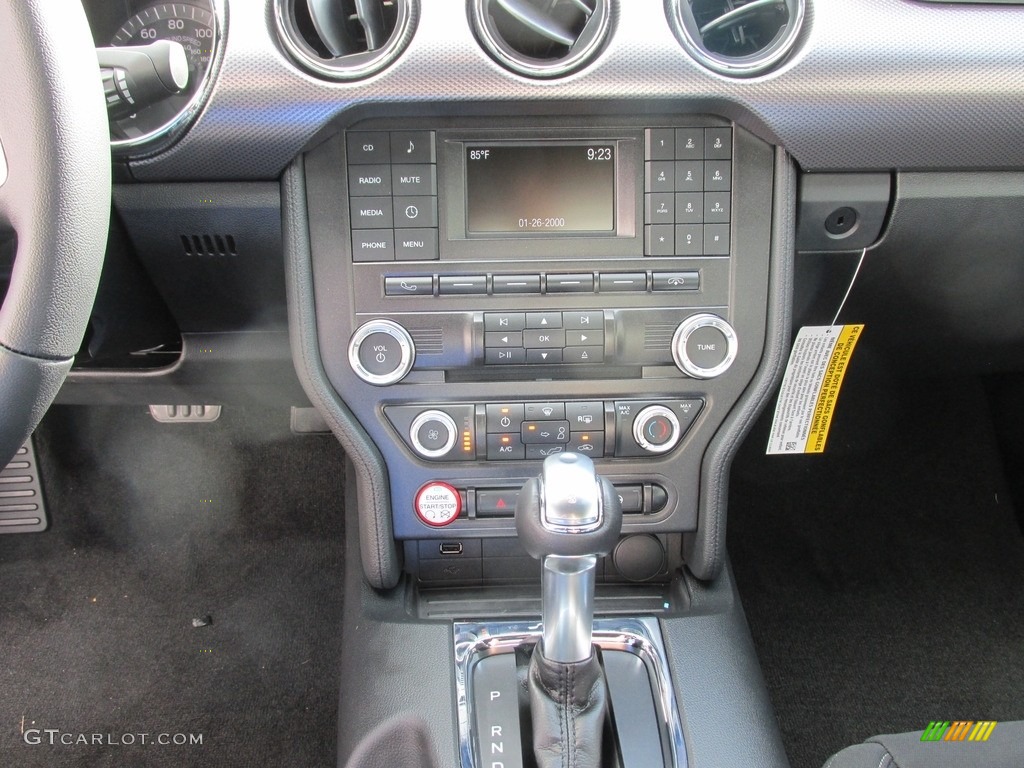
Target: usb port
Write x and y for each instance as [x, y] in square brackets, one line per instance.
[450, 548]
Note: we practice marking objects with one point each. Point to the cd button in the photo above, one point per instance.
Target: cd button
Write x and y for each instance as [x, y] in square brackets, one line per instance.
[543, 319]
[504, 321]
[543, 356]
[368, 148]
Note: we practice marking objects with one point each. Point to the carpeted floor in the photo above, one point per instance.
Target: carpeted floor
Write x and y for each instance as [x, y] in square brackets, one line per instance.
[884, 580]
[153, 526]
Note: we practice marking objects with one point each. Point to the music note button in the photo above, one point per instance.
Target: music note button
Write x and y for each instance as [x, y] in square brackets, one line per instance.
[413, 147]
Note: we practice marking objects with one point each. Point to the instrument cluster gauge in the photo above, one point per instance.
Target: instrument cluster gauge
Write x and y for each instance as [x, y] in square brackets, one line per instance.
[158, 70]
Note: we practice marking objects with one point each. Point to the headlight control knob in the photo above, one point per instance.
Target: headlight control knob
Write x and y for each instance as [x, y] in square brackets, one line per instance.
[704, 346]
[381, 352]
[656, 429]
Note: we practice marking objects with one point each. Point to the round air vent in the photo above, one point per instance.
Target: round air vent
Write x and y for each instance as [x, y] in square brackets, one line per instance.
[345, 39]
[740, 38]
[541, 38]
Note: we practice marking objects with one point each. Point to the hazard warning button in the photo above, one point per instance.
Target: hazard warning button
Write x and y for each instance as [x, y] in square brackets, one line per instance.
[496, 502]
[438, 504]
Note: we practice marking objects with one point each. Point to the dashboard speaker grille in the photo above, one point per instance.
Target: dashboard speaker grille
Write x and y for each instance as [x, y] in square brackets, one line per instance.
[345, 39]
[541, 38]
[740, 38]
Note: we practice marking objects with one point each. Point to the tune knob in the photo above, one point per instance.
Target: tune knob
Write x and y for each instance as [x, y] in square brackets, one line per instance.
[656, 429]
[704, 346]
[381, 352]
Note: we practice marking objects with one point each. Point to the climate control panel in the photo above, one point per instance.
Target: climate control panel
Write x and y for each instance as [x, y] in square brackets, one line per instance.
[521, 431]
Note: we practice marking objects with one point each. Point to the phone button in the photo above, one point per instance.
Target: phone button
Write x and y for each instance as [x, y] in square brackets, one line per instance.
[417, 285]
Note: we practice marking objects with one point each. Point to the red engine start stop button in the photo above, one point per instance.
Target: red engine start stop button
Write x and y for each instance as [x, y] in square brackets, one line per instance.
[438, 504]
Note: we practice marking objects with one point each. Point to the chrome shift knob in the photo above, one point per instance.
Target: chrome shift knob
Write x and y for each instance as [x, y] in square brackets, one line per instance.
[568, 517]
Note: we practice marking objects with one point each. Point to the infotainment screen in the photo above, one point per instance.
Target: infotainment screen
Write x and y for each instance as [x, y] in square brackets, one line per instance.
[550, 187]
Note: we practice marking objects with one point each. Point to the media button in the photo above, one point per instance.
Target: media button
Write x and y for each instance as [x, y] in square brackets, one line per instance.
[504, 321]
[370, 212]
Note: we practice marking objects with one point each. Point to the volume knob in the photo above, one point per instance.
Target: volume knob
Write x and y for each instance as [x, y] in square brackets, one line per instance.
[704, 346]
[381, 352]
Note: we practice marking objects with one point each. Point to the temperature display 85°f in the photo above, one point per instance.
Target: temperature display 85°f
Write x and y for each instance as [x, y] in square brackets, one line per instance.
[540, 188]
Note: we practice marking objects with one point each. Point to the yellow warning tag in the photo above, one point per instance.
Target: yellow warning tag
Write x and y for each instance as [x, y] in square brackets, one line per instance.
[810, 388]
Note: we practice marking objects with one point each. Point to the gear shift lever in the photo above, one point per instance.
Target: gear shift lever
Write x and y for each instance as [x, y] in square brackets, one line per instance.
[568, 517]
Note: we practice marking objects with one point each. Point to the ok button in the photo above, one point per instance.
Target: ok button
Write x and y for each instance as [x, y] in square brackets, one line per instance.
[537, 338]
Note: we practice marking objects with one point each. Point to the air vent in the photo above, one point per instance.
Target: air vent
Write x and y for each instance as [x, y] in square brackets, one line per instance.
[740, 38]
[541, 38]
[345, 39]
[208, 245]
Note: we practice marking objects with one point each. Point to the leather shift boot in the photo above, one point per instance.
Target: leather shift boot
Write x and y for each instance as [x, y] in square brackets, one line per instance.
[567, 707]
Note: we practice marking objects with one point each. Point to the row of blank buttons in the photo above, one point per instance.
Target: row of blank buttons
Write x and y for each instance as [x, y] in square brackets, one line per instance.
[587, 282]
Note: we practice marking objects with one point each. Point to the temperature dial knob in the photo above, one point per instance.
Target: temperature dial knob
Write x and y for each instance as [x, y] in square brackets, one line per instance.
[381, 352]
[704, 346]
[656, 429]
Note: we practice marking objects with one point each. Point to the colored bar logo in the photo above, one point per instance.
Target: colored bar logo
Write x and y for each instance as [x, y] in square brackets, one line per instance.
[958, 730]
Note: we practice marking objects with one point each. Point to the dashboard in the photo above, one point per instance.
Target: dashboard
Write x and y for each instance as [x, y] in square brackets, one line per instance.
[497, 250]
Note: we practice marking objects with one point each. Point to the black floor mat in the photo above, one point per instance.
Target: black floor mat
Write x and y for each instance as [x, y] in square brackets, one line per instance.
[154, 526]
[884, 580]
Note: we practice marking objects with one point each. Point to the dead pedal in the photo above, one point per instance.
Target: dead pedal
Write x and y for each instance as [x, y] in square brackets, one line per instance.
[184, 414]
[22, 509]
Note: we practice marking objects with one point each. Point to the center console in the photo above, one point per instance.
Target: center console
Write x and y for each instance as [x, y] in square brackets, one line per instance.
[491, 293]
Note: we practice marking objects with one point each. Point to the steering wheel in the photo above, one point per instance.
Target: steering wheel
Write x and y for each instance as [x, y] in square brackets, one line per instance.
[54, 202]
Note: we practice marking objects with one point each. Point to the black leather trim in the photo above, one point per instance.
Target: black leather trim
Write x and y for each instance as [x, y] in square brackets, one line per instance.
[704, 550]
[27, 387]
[401, 742]
[378, 553]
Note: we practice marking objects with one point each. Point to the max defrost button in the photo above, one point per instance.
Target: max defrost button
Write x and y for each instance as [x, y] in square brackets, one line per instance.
[438, 504]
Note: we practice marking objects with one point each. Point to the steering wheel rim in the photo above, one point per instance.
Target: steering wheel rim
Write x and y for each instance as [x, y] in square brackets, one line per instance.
[55, 200]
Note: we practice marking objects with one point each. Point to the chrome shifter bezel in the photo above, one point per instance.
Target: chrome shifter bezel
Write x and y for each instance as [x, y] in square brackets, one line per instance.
[639, 636]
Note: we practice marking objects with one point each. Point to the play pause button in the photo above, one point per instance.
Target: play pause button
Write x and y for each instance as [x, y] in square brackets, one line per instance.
[505, 356]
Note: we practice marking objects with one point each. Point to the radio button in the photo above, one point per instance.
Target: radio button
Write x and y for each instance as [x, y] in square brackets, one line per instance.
[717, 175]
[689, 240]
[583, 320]
[660, 176]
[660, 208]
[416, 211]
[661, 144]
[718, 143]
[543, 356]
[543, 319]
[367, 148]
[413, 147]
[506, 446]
[369, 180]
[504, 321]
[676, 281]
[623, 281]
[660, 240]
[414, 179]
[545, 432]
[542, 411]
[504, 356]
[588, 443]
[716, 239]
[416, 244]
[543, 339]
[588, 355]
[504, 417]
[581, 283]
[689, 143]
[689, 208]
[462, 285]
[370, 212]
[516, 283]
[584, 338]
[585, 415]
